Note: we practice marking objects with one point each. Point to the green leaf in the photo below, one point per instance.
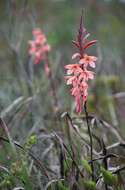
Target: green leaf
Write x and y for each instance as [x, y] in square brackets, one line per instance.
[32, 140]
[86, 166]
[109, 178]
[62, 186]
[90, 185]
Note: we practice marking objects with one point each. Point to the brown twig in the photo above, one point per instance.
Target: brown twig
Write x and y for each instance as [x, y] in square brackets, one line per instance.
[107, 125]
[104, 157]
[104, 150]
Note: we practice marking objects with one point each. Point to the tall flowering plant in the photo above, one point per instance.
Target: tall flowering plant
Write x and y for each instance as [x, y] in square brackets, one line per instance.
[79, 73]
[39, 49]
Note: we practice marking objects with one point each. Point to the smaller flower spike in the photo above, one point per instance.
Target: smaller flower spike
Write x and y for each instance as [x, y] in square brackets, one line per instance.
[39, 46]
[78, 74]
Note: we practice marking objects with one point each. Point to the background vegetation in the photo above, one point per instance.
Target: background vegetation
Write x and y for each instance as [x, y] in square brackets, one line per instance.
[26, 103]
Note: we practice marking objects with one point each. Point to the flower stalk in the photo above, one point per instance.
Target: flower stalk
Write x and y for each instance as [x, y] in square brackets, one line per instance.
[48, 72]
[79, 73]
[39, 48]
[91, 140]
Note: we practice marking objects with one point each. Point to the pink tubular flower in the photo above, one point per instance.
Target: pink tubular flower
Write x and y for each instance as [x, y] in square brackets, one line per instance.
[73, 69]
[38, 46]
[88, 60]
[78, 74]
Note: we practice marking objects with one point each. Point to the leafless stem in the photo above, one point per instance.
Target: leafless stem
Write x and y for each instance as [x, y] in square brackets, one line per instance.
[91, 141]
[104, 150]
[51, 81]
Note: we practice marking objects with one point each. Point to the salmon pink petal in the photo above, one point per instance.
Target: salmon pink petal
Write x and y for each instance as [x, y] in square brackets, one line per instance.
[93, 58]
[78, 71]
[32, 50]
[75, 91]
[75, 55]
[70, 80]
[82, 61]
[84, 85]
[82, 76]
[90, 75]
[69, 72]
[70, 66]
[36, 31]
[40, 40]
[92, 64]
[46, 48]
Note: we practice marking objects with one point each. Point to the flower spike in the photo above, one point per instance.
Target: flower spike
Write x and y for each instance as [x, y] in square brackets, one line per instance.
[39, 46]
[78, 74]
